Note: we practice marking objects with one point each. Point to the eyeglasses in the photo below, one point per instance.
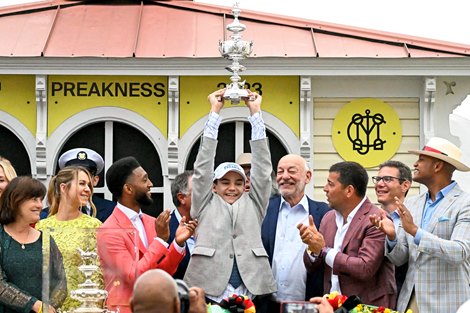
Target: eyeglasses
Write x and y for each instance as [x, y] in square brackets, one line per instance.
[386, 179]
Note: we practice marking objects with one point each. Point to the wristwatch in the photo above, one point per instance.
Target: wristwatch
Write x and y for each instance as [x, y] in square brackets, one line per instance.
[324, 252]
[310, 252]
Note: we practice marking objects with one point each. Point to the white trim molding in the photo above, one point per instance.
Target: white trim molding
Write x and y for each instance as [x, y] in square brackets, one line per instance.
[104, 114]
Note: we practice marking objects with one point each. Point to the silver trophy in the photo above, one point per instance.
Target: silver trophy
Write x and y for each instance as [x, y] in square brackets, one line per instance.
[90, 296]
[235, 49]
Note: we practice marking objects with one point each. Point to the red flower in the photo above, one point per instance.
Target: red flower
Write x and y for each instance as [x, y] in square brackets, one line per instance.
[336, 300]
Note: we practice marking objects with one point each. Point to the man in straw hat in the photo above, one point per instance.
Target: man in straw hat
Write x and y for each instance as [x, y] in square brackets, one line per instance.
[433, 235]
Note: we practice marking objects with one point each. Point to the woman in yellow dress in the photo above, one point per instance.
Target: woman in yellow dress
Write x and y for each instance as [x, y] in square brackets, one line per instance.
[69, 191]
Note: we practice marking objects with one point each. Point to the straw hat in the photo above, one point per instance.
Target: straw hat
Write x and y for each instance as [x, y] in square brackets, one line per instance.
[444, 150]
[244, 159]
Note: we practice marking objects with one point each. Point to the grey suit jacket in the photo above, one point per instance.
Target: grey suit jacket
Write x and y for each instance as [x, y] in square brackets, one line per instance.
[439, 266]
[229, 231]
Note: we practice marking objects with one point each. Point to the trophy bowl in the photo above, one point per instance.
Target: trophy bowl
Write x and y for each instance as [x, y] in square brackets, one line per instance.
[235, 49]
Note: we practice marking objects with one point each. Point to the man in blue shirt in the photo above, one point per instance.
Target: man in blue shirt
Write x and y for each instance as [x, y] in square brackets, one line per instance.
[393, 180]
[433, 235]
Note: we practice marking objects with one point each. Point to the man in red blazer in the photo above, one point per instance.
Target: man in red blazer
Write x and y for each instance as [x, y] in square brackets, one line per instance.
[347, 245]
[131, 242]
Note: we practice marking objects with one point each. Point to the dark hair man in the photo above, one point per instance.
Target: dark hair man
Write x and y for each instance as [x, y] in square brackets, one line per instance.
[181, 192]
[347, 245]
[130, 184]
[393, 180]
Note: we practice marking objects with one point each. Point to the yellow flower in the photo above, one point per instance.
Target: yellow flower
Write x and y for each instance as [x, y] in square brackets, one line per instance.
[333, 295]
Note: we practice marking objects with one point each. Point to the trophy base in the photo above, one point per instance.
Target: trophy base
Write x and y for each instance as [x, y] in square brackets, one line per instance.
[90, 310]
[236, 95]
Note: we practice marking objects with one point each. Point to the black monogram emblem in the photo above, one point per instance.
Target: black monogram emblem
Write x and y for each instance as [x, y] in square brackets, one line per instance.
[364, 132]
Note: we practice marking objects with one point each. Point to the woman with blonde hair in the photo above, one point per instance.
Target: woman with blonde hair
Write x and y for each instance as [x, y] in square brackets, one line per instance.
[7, 173]
[69, 191]
[21, 251]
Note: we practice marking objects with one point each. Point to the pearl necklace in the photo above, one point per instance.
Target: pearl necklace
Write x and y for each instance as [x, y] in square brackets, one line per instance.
[22, 244]
[27, 236]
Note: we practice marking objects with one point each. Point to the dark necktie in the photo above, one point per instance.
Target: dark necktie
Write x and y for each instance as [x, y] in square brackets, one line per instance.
[235, 278]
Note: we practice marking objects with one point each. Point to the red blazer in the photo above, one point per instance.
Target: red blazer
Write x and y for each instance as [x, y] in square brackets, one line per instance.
[122, 263]
[361, 266]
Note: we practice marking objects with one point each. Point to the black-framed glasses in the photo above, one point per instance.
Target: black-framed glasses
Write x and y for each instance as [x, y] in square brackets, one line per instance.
[386, 179]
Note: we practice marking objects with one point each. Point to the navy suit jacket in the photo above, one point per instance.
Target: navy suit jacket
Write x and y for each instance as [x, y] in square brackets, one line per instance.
[104, 208]
[317, 209]
[179, 274]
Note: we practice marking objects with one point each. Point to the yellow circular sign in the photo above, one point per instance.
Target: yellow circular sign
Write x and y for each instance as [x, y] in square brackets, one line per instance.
[367, 131]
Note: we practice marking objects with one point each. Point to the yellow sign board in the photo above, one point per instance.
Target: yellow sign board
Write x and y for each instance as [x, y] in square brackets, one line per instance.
[367, 131]
[280, 97]
[18, 98]
[145, 95]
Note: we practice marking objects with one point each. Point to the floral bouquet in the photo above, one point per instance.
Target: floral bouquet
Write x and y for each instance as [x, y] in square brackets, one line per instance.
[336, 301]
[233, 304]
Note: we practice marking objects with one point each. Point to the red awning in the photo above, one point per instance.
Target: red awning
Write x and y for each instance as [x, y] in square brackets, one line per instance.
[185, 29]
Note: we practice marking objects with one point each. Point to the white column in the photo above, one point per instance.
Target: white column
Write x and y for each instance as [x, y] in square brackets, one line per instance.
[306, 118]
[40, 172]
[174, 166]
[429, 108]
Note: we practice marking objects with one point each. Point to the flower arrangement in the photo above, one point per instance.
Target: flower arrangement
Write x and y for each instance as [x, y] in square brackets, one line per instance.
[336, 300]
[233, 304]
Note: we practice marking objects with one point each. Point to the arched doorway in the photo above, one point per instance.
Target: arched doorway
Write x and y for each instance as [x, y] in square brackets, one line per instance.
[114, 133]
[13, 149]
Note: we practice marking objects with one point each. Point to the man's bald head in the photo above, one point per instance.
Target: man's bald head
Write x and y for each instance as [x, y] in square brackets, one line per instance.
[155, 291]
[293, 174]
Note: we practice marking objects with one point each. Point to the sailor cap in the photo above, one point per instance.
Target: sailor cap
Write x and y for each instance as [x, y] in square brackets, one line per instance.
[87, 158]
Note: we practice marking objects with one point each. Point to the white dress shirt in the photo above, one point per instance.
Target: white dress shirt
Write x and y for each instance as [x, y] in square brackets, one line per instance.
[136, 221]
[288, 266]
[191, 242]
